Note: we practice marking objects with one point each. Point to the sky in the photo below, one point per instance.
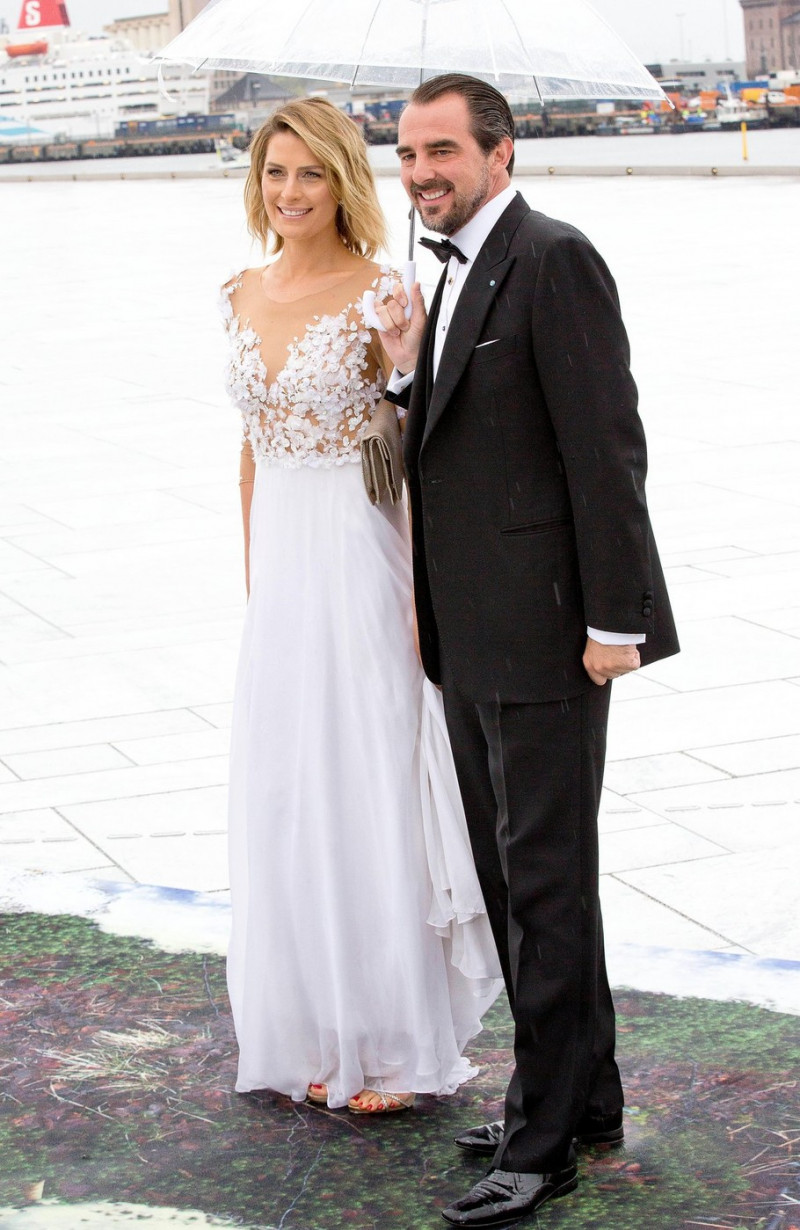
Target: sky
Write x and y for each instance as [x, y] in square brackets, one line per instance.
[656, 30]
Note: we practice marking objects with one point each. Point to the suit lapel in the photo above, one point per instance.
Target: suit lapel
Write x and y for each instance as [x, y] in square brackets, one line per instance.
[480, 290]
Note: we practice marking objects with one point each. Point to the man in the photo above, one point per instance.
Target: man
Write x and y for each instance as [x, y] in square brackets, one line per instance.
[536, 583]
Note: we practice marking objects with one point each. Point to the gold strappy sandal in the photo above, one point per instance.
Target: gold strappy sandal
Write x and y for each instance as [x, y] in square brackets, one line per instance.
[318, 1094]
[389, 1104]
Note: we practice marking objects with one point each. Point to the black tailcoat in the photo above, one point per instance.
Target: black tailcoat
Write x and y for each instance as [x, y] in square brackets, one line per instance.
[526, 463]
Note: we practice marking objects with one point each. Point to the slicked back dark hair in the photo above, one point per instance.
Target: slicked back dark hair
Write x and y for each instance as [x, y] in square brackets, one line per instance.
[489, 112]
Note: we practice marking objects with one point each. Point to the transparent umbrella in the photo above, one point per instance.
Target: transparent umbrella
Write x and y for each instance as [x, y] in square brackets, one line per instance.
[557, 49]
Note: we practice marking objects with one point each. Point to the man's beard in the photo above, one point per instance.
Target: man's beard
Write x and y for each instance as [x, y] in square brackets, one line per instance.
[462, 207]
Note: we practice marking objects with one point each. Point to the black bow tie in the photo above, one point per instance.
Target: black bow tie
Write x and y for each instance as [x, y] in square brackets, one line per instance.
[443, 249]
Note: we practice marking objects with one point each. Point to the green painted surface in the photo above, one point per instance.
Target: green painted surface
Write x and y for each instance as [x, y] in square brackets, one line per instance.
[117, 1064]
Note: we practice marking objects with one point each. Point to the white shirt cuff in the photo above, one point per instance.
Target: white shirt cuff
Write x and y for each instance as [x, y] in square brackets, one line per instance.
[616, 638]
[397, 382]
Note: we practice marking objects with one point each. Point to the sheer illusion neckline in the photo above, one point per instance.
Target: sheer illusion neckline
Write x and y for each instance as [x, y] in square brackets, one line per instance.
[245, 327]
[317, 405]
[313, 294]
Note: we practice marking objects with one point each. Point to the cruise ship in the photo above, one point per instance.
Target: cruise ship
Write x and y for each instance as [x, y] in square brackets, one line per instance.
[63, 84]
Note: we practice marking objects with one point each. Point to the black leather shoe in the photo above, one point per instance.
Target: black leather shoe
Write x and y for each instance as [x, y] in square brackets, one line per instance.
[604, 1131]
[504, 1196]
[483, 1139]
[607, 1132]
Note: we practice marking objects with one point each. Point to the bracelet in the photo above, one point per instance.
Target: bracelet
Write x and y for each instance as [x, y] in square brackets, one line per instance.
[244, 481]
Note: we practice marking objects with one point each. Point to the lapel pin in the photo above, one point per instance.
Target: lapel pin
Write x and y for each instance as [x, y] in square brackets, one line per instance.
[492, 283]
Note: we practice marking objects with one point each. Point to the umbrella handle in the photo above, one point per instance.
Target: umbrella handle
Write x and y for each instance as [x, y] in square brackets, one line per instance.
[368, 298]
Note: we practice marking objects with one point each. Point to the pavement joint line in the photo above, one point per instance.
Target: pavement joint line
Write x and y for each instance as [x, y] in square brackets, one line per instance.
[618, 876]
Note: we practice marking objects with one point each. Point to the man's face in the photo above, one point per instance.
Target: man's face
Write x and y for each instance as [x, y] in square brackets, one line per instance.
[444, 170]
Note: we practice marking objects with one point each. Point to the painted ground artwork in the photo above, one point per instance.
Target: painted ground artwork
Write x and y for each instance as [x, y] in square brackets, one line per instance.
[117, 1064]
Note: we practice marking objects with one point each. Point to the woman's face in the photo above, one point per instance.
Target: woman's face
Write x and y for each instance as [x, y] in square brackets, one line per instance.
[295, 188]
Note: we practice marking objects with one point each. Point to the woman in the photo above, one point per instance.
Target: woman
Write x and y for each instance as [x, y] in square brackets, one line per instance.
[356, 974]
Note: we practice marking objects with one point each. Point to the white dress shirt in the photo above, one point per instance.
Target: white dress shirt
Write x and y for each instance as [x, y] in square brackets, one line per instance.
[470, 239]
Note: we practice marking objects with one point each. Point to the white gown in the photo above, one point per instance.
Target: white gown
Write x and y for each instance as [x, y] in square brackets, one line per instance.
[360, 954]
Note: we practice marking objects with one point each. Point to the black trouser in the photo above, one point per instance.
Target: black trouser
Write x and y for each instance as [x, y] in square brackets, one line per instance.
[530, 777]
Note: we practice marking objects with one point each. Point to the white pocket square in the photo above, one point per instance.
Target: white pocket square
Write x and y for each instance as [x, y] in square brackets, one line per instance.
[492, 342]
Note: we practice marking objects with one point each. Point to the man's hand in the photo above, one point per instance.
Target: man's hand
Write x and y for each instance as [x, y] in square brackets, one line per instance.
[604, 662]
[401, 339]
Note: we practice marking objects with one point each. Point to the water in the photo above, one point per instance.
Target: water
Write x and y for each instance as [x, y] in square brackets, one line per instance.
[768, 148]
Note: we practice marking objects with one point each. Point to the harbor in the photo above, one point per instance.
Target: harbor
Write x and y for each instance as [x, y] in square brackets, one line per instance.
[196, 134]
[710, 154]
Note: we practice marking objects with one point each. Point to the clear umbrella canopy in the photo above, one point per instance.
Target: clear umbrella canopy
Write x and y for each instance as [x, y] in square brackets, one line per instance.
[556, 48]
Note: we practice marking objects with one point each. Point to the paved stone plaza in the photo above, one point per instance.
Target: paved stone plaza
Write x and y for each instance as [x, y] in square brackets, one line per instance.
[121, 591]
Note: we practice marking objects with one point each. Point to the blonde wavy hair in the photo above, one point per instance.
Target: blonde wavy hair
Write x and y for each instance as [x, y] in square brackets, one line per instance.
[336, 142]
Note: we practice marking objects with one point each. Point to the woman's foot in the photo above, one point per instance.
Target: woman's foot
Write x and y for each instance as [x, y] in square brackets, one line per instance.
[379, 1102]
[318, 1094]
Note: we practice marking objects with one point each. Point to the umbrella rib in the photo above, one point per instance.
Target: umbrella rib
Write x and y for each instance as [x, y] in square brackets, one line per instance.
[367, 33]
[522, 44]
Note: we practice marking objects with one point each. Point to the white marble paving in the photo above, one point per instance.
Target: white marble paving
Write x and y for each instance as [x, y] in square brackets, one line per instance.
[759, 790]
[671, 769]
[41, 841]
[630, 914]
[760, 756]
[185, 812]
[716, 653]
[744, 829]
[99, 730]
[750, 898]
[109, 784]
[121, 593]
[165, 749]
[216, 715]
[653, 846]
[66, 761]
[679, 722]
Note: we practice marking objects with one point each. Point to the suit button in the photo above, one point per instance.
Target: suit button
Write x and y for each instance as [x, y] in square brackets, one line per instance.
[647, 610]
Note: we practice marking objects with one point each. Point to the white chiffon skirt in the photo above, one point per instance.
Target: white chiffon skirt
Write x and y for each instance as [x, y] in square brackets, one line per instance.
[360, 952]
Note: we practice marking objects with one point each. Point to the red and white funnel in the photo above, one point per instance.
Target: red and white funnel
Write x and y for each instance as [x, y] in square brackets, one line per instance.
[43, 14]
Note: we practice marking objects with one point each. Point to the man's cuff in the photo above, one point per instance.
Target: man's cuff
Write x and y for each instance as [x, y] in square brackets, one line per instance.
[616, 638]
[397, 382]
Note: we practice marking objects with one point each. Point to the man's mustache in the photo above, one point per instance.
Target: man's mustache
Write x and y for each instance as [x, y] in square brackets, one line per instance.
[432, 186]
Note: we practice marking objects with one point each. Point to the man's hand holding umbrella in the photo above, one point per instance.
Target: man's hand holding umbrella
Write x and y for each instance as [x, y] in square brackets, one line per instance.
[401, 338]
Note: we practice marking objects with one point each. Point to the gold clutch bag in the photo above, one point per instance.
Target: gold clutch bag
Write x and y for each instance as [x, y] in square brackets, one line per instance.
[382, 454]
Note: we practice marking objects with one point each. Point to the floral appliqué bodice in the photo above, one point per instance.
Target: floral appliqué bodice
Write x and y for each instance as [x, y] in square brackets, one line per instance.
[316, 409]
